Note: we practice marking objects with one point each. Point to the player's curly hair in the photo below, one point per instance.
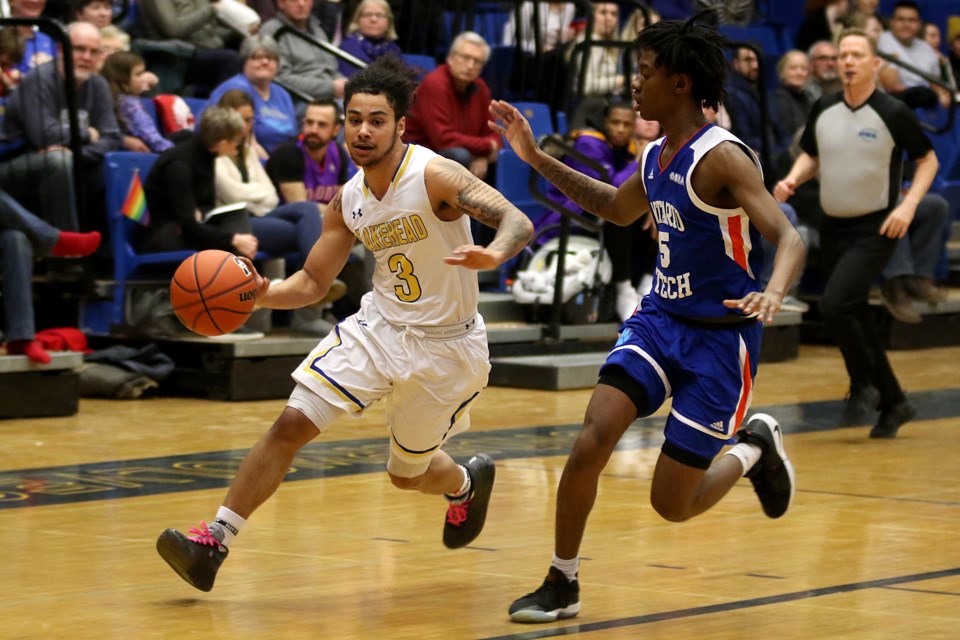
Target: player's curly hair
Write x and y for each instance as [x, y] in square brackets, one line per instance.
[388, 75]
[691, 48]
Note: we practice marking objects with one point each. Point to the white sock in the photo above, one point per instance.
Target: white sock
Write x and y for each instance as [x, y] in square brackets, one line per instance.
[226, 526]
[464, 491]
[747, 453]
[570, 568]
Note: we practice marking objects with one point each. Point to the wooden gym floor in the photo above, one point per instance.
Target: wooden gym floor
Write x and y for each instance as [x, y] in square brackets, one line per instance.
[869, 549]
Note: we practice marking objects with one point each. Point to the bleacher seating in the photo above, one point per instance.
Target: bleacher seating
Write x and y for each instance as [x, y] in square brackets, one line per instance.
[119, 170]
[423, 63]
[538, 113]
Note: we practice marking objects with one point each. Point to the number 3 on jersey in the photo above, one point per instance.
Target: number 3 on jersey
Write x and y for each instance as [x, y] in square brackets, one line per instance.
[409, 288]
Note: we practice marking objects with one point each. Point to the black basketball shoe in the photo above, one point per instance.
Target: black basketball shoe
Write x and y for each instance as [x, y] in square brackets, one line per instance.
[772, 476]
[465, 520]
[196, 559]
[556, 598]
[892, 419]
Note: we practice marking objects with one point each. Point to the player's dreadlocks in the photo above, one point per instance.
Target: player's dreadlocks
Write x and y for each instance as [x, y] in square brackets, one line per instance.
[692, 49]
[388, 75]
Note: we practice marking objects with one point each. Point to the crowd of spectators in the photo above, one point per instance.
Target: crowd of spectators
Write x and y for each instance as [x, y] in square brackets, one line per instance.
[272, 89]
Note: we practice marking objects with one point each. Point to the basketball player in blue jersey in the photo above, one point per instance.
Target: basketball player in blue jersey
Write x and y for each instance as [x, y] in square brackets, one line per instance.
[696, 335]
[417, 341]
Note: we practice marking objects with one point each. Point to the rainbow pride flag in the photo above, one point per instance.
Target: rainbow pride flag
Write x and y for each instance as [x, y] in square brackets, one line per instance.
[135, 204]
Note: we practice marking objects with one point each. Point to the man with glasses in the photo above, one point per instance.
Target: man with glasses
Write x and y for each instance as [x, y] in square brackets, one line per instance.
[449, 112]
[37, 114]
[824, 79]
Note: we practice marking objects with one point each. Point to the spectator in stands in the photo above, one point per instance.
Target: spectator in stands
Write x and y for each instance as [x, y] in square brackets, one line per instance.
[931, 35]
[641, 18]
[953, 38]
[330, 13]
[180, 189]
[113, 39]
[556, 26]
[859, 189]
[370, 34]
[903, 42]
[743, 105]
[12, 48]
[791, 102]
[910, 274]
[23, 237]
[869, 23]
[868, 8]
[313, 166]
[824, 79]
[604, 76]
[123, 71]
[38, 47]
[288, 230]
[449, 111]
[195, 22]
[546, 81]
[304, 67]
[97, 12]
[37, 114]
[823, 20]
[631, 249]
[275, 116]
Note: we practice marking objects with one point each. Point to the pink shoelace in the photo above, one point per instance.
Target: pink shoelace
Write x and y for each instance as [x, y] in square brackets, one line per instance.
[457, 513]
[203, 536]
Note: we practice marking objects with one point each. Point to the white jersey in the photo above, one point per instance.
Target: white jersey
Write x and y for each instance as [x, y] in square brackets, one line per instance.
[412, 286]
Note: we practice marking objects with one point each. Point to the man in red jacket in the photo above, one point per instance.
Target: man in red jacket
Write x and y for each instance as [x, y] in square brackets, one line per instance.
[449, 113]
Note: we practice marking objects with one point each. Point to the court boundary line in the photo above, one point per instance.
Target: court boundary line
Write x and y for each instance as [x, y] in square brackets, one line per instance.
[677, 614]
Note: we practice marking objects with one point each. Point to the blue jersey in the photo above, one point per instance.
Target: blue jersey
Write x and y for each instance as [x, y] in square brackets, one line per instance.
[707, 254]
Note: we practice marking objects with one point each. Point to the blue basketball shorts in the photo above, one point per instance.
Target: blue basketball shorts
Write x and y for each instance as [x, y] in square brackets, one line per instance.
[708, 370]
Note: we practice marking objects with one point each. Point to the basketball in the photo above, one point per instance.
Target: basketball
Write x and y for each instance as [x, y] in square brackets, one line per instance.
[213, 292]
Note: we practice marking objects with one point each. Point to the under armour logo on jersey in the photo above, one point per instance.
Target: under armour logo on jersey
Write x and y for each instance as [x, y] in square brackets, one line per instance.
[356, 214]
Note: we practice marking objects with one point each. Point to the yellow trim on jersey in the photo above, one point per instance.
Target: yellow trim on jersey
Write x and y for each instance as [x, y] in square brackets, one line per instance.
[403, 165]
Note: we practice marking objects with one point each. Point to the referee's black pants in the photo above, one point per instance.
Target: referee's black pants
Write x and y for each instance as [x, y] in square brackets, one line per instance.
[854, 255]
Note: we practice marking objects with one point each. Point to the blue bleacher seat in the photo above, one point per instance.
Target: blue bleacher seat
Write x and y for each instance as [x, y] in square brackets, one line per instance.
[513, 181]
[562, 126]
[151, 108]
[197, 106]
[98, 317]
[119, 169]
[538, 113]
[423, 63]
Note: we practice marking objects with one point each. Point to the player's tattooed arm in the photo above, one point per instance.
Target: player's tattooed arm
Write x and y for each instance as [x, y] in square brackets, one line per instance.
[471, 196]
[589, 193]
[335, 206]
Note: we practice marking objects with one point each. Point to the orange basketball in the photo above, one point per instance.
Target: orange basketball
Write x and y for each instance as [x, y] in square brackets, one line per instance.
[213, 292]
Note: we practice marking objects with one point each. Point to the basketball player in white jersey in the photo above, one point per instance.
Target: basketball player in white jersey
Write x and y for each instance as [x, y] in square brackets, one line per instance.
[417, 341]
